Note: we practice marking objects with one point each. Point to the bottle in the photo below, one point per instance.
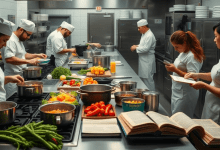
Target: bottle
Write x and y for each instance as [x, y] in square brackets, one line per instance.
[113, 66]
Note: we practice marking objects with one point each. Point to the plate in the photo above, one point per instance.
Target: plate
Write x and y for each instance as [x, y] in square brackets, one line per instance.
[43, 61]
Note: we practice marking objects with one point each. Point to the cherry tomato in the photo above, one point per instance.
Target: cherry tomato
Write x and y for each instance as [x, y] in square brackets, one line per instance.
[73, 81]
[65, 82]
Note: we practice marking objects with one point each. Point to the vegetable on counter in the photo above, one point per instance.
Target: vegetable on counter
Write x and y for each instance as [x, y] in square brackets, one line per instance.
[57, 72]
[89, 80]
[84, 71]
[63, 77]
[33, 135]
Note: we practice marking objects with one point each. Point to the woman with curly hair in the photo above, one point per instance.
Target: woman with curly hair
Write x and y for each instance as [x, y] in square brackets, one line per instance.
[184, 98]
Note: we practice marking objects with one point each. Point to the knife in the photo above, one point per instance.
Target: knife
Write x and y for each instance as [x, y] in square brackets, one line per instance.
[119, 77]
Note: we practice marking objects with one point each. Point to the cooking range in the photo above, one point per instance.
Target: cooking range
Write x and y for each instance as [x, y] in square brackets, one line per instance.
[27, 111]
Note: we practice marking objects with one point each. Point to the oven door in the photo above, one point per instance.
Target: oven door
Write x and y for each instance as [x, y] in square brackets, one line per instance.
[169, 51]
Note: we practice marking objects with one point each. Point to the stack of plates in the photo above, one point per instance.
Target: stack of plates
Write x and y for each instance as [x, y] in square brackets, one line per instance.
[137, 14]
[202, 12]
[124, 14]
[171, 9]
[190, 7]
[179, 7]
[216, 12]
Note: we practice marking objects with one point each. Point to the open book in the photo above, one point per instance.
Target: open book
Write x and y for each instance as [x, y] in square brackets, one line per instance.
[136, 122]
[100, 128]
[183, 80]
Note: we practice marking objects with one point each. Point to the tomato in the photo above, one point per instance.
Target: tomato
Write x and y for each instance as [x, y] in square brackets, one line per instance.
[65, 82]
[103, 106]
[60, 98]
[102, 111]
[72, 99]
[111, 113]
[72, 81]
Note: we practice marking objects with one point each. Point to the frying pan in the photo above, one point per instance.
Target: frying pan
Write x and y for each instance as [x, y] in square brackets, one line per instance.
[103, 80]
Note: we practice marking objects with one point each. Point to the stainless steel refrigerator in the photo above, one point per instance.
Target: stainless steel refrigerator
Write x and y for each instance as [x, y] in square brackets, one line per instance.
[128, 35]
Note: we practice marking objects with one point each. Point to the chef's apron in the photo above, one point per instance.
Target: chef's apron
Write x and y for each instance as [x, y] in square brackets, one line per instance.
[2, 89]
[211, 109]
[184, 98]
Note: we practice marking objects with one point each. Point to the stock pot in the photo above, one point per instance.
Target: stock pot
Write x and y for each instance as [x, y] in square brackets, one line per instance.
[7, 112]
[30, 89]
[101, 60]
[32, 72]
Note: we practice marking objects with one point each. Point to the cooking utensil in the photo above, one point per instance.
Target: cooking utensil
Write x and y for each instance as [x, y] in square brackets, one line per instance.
[89, 54]
[119, 77]
[79, 66]
[103, 80]
[133, 106]
[59, 119]
[127, 85]
[101, 60]
[120, 95]
[80, 49]
[32, 72]
[95, 93]
[7, 112]
[151, 100]
[109, 48]
[139, 91]
[30, 89]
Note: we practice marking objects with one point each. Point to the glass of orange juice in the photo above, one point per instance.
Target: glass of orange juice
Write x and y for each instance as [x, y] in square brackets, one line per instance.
[113, 66]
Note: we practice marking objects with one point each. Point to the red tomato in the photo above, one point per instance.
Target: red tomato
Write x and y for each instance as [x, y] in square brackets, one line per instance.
[111, 113]
[73, 81]
[102, 111]
[64, 82]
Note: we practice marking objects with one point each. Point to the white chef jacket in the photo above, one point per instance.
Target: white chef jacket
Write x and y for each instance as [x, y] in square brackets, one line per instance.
[58, 44]
[2, 89]
[145, 50]
[49, 43]
[14, 47]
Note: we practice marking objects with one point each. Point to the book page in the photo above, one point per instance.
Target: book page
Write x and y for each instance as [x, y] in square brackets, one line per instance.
[136, 118]
[161, 120]
[212, 128]
[186, 122]
[183, 80]
[100, 126]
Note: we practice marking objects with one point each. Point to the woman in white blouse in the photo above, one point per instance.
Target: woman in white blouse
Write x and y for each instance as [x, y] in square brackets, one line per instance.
[190, 59]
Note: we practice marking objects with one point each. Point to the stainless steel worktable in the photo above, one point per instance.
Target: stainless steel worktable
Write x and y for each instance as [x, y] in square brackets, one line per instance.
[119, 143]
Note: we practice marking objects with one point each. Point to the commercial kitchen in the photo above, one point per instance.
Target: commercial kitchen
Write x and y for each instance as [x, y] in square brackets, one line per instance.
[102, 33]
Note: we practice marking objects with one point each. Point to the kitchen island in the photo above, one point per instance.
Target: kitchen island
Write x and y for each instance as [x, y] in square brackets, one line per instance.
[116, 143]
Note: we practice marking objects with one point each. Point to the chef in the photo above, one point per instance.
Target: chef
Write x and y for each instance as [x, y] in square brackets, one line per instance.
[145, 50]
[6, 29]
[59, 45]
[15, 57]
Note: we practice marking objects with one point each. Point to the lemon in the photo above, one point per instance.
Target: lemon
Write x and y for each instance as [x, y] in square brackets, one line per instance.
[62, 77]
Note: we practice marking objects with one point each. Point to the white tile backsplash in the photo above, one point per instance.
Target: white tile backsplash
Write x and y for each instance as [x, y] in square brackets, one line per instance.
[8, 7]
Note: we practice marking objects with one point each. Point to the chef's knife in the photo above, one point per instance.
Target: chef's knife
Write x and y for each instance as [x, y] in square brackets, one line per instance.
[119, 77]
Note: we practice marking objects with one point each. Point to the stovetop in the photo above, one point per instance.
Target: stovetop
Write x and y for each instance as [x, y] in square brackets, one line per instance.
[27, 111]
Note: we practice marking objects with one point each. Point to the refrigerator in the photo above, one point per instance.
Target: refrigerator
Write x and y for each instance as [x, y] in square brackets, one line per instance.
[128, 35]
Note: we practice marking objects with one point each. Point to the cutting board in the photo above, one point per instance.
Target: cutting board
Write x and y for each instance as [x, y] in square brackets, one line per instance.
[106, 74]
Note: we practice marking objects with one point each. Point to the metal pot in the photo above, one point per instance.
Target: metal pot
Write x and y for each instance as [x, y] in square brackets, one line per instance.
[139, 91]
[95, 93]
[127, 85]
[80, 49]
[7, 112]
[32, 72]
[30, 89]
[109, 48]
[101, 60]
[119, 96]
[151, 100]
[89, 54]
[60, 119]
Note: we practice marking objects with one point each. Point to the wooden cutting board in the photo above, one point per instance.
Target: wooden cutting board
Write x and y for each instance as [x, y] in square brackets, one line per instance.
[106, 74]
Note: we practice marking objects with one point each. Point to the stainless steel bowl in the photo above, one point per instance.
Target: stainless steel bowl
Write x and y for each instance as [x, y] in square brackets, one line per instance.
[127, 85]
[60, 119]
[119, 96]
[32, 72]
[95, 93]
[109, 48]
[7, 112]
[151, 100]
[30, 89]
[101, 60]
[139, 92]
[89, 54]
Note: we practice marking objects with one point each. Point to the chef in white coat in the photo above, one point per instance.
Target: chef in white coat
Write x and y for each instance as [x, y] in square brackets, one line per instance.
[59, 45]
[184, 98]
[211, 109]
[6, 29]
[14, 55]
[145, 50]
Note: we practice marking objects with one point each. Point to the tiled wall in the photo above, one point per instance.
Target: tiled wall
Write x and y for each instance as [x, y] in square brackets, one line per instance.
[22, 11]
[8, 7]
[79, 21]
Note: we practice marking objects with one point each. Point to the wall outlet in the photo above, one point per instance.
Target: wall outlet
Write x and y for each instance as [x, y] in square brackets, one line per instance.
[158, 21]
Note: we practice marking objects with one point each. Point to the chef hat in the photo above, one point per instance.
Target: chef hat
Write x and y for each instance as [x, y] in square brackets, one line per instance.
[67, 26]
[142, 22]
[27, 25]
[6, 27]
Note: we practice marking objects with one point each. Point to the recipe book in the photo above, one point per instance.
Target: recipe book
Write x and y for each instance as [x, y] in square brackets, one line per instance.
[179, 124]
[100, 128]
[183, 80]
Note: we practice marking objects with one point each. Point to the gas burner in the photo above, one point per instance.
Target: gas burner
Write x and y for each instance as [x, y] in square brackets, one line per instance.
[26, 110]
[18, 121]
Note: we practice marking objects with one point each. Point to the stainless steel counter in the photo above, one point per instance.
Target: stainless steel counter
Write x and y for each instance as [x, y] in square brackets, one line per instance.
[117, 143]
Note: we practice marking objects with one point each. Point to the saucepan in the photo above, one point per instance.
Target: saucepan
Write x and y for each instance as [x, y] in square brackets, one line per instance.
[32, 72]
[30, 89]
[127, 85]
[7, 112]
[59, 119]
